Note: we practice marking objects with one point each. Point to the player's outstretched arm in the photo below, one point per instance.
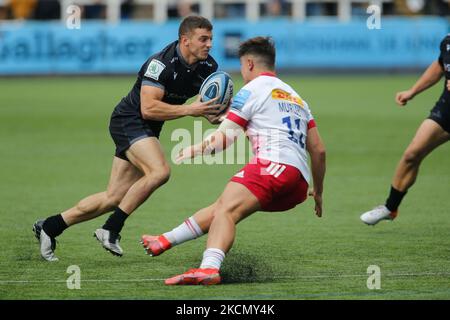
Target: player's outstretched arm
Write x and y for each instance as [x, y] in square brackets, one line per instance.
[219, 140]
[152, 107]
[430, 77]
[316, 150]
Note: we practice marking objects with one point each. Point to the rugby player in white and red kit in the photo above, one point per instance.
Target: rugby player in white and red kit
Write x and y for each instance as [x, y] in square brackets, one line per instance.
[281, 129]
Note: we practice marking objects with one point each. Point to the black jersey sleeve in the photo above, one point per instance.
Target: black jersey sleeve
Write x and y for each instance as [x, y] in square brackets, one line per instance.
[444, 50]
[156, 74]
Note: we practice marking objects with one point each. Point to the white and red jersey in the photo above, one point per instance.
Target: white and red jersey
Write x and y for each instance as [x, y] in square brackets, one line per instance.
[276, 120]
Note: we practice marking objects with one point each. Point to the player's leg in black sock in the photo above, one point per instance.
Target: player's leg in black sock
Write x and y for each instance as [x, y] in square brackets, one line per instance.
[116, 221]
[54, 226]
[394, 199]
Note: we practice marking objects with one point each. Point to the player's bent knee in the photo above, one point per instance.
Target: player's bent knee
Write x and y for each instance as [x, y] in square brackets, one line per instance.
[227, 213]
[113, 201]
[160, 176]
[412, 157]
[214, 207]
[222, 212]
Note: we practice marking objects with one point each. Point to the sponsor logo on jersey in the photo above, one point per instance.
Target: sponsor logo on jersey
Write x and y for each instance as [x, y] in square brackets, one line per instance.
[240, 99]
[279, 94]
[206, 62]
[448, 47]
[154, 69]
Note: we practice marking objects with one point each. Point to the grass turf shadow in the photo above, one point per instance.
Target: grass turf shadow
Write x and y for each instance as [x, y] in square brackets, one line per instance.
[242, 267]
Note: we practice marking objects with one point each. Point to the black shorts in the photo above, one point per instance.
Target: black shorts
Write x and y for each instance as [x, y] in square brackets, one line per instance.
[441, 113]
[126, 129]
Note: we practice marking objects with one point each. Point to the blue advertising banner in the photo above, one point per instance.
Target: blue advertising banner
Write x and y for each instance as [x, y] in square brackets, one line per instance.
[97, 47]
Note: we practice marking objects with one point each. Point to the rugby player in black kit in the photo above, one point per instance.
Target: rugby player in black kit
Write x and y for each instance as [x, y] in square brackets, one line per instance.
[433, 132]
[165, 81]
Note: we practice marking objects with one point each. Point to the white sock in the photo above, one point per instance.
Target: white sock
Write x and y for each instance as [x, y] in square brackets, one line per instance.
[212, 258]
[188, 230]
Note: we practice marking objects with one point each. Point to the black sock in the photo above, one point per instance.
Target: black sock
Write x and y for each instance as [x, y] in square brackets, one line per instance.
[115, 221]
[54, 226]
[395, 197]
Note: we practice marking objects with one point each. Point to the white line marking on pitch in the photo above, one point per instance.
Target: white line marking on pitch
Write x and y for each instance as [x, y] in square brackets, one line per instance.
[422, 274]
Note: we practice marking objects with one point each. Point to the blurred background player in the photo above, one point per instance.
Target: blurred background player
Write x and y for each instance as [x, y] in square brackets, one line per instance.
[433, 132]
[165, 81]
[281, 129]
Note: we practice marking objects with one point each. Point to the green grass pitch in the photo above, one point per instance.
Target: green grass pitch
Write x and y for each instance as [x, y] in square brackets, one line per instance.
[56, 149]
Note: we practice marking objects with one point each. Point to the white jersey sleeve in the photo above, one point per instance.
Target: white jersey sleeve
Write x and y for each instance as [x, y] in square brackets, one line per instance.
[276, 120]
[244, 106]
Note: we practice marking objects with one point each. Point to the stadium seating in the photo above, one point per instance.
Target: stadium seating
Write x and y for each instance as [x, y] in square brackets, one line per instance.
[253, 10]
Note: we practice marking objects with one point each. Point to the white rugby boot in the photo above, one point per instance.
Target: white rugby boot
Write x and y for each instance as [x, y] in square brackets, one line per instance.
[47, 244]
[109, 240]
[377, 214]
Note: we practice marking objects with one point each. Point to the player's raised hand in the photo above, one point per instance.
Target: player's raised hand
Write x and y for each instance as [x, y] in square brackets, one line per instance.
[448, 85]
[403, 97]
[198, 108]
[318, 201]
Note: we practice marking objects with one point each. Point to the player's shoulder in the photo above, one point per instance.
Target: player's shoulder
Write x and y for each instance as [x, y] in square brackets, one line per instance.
[258, 87]
[167, 54]
[446, 40]
[261, 83]
[294, 95]
[158, 65]
[165, 57]
[251, 92]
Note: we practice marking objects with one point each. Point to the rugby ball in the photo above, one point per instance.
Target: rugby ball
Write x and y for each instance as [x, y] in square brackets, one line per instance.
[218, 84]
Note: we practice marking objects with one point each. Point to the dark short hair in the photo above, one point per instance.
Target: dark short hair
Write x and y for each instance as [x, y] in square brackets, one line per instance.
[262, 47]
[193, 22]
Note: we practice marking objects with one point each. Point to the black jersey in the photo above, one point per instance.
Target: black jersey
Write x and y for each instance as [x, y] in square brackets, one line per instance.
[441, 110]
[168, 70]
[444, 61]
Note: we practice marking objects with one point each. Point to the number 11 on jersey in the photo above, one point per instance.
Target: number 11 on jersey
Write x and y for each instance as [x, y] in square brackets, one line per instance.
[288, 122]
